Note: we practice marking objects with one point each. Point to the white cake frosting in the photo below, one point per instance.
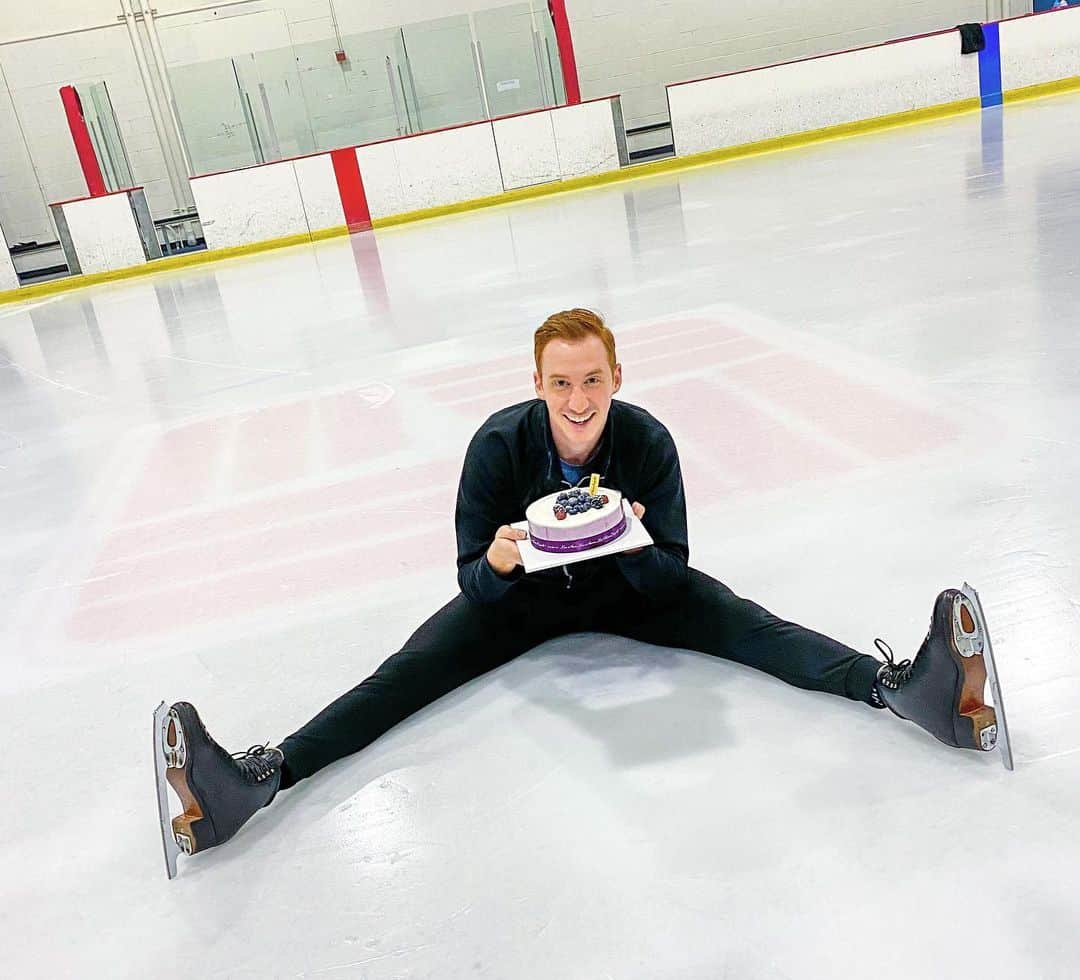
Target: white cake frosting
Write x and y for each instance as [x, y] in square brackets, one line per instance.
[574, 532]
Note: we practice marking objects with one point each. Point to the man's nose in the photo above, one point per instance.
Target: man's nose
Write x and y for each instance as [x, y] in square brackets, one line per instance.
[578, 401]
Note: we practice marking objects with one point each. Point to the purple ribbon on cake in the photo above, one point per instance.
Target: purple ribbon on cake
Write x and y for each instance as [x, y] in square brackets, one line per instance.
[581, 544]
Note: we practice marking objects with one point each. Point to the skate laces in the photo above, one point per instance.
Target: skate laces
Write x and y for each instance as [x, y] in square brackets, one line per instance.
[893, 675]
[257, 763]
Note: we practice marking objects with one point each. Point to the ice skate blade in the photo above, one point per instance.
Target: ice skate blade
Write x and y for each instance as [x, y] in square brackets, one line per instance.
[1000, 734]
[161, 766]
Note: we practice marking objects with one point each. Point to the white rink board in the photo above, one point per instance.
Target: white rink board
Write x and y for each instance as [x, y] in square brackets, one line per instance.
[103, 233]
[526, 146]
[585, 139]
[382, 185]
[8, 278]
[444, 168]
[1044, 48]
[319, 192]
[242, 207]
[806, 95]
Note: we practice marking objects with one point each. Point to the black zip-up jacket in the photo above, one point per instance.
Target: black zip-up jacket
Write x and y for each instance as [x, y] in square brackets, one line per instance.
[512, 461]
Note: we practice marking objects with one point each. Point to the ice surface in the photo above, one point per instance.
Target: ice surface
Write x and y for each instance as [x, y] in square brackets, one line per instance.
[234, 485]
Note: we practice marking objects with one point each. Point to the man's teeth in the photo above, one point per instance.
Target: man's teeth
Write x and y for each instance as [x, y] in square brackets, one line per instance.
[579, 421]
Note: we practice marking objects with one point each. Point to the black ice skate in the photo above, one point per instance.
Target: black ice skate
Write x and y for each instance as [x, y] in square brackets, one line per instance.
[219, 792]
[943, 689]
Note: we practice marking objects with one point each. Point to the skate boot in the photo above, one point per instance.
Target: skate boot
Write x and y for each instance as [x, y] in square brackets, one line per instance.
[218, 791]
[942, 691]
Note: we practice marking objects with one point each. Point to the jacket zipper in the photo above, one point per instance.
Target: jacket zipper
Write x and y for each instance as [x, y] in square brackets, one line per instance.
[565, 483]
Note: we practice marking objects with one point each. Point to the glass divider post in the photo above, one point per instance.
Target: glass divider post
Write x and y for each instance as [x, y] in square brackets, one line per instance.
[401, 130]
[478, 59]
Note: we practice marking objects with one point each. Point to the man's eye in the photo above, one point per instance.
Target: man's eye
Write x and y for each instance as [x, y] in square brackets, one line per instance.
[593, 381]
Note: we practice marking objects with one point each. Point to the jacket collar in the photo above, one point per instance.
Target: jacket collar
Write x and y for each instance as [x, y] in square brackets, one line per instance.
[542, 437]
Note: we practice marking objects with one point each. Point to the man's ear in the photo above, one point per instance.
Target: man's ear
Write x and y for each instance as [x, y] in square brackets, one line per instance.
[538, 385]
[617, 378]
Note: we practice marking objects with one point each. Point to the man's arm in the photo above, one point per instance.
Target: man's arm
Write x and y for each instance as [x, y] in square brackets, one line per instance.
[480, 518]
[661, 568]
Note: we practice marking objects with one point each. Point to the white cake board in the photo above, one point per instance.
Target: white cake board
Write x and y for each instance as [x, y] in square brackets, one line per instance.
[535, 560]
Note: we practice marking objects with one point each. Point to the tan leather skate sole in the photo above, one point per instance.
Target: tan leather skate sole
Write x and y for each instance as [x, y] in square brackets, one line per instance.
[972, 706]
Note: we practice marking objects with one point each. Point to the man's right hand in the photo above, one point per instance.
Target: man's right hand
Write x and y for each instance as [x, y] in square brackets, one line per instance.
[503, 554]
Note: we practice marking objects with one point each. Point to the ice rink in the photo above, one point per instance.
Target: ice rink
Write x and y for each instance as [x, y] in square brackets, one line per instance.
[234, 485]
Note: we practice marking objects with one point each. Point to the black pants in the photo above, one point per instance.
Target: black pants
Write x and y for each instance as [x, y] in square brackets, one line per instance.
[465, 639]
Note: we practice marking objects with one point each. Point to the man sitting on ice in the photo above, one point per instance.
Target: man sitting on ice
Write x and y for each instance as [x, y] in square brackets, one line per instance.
[575, 427]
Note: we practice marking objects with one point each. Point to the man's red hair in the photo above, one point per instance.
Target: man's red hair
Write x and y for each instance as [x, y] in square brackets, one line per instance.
[573, 326]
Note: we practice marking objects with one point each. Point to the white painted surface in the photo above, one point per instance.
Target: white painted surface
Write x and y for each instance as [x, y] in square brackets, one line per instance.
[807, 95]
[104, 234]
[526, 146]
[585, 139]
[382, 183]
[235, 484]
[447, 167]
[8, 278]
[1040, 49]
[246, 206]
[319, 192]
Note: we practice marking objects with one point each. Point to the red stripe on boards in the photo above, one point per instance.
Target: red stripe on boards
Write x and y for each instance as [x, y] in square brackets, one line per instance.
[351, 188]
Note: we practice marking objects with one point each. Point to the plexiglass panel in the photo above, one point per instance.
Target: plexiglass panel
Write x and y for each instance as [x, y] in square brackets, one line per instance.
[510, 56]
[105, 135]
[442, 84]
[214, 117]
[270, 86]
[352, 102]
[290, 100]
[551, 65]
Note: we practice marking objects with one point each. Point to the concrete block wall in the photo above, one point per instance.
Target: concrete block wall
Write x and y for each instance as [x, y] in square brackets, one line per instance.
[34, 71]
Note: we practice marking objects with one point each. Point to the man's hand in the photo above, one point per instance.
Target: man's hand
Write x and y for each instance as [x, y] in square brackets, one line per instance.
[639, 513]
[502, 553]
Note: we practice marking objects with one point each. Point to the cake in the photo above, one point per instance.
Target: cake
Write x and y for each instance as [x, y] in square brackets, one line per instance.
[575, 520]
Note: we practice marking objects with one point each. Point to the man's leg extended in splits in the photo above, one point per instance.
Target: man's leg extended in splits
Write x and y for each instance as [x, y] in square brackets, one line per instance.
[941, 689]
[709, 618]
[460, 642]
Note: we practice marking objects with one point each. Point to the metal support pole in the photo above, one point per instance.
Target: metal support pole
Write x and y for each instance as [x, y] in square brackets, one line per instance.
[166, 83]
[178, 184]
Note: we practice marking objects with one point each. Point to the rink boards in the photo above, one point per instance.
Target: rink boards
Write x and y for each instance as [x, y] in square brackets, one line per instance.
[868, 87]
[566, 147]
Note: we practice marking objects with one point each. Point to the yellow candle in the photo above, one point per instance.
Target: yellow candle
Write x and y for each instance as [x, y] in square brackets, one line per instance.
[594, 484]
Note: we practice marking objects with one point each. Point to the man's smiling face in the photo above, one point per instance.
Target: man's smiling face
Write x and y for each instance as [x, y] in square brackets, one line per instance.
[577, 383]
